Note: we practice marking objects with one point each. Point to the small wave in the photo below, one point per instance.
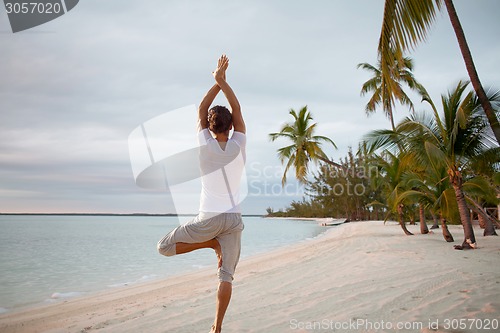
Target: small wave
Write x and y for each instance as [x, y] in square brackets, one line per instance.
[308, 239]
[118, 285]
[3, 310]
[66, 295]
[144, 278]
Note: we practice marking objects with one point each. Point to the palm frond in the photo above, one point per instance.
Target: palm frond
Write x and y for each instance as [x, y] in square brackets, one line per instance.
[368, 67]
[381, 139]
[447, 204]
[480, 187]
[286, 152]
[290, 162]
[413, 196]
[319, 138]
[405, 24]
[275, 136]
[436, 157]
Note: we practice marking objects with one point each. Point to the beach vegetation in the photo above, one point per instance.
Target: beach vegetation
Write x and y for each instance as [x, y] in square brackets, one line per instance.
[392, 168]
[346, 192]
[433, 165]
[443, 165]
[459, 142]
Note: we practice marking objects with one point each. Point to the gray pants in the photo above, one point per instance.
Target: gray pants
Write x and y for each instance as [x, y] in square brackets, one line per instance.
[225, 227]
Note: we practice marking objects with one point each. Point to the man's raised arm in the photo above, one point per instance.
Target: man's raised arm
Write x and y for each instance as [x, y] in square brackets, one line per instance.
[220, 78]
[204, 105]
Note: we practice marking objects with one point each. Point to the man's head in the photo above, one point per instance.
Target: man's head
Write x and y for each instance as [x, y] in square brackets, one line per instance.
[220, 119]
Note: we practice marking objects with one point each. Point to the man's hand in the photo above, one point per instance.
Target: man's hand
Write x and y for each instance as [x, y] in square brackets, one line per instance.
[220, 72]
[220, 78]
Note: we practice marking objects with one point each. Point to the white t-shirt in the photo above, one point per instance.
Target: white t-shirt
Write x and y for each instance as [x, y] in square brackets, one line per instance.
[221, 171]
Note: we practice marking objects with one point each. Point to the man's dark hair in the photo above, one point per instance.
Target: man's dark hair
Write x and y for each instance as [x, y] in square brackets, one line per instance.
[219, 119]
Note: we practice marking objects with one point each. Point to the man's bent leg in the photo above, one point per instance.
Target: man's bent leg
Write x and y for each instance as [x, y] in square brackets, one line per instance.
[193, 232]
[223, 297]
[181, 248]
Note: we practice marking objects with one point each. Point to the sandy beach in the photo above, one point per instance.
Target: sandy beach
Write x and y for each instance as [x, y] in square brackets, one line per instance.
[359, 277]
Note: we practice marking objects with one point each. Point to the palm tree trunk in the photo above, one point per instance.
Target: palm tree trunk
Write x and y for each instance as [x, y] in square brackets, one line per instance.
[471, 69]
[391, 117]
[346, 170]
[446, 233]
[402, 222]
[456, 182]
[486, 224]
[489, 230]
[423, 225]
[485, 221]
[435, 225]
[481, 220]
[489, 222]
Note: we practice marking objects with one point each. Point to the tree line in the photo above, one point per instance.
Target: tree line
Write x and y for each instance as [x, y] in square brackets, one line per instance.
[442, 164]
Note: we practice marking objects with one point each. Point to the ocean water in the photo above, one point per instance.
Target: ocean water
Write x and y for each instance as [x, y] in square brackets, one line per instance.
[45, 259]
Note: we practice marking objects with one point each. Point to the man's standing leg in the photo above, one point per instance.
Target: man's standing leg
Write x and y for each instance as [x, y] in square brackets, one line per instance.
[230, 246]
[223, 297]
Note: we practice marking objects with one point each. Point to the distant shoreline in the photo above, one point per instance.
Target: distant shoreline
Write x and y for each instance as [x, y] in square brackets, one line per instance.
[112, 214]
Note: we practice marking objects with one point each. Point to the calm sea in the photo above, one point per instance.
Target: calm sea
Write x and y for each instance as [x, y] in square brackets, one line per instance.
[44, 259]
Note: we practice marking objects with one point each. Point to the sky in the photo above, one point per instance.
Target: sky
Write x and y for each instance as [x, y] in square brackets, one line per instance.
[72, 90]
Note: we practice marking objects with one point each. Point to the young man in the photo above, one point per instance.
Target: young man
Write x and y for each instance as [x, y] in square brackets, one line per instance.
[222, 158]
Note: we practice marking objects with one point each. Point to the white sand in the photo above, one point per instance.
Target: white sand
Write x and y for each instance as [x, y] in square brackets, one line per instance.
[362, 276]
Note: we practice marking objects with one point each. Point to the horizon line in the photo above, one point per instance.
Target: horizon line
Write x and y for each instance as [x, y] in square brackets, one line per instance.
[111, 214]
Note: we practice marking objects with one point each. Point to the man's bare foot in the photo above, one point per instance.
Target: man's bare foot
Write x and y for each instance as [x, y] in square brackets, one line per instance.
[218, 252]
[214, 330]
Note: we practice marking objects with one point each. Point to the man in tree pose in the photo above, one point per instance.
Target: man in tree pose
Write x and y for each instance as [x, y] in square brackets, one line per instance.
[222, 159]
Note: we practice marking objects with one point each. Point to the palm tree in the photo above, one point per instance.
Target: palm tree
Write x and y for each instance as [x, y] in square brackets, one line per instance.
[431, 189]
[387, 89]
[405, 24]
[417, 172]
[392, 168]
[304, 147]
[455, 141]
